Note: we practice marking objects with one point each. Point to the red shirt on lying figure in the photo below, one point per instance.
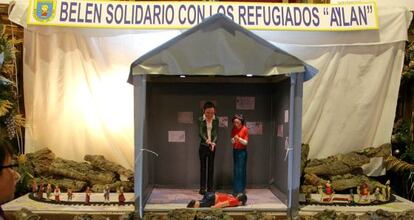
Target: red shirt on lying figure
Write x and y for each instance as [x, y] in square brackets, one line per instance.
[240, 137]
[218, 200]
[226, 200]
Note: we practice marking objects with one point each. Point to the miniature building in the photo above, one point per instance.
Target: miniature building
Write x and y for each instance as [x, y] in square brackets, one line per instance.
[220, 61]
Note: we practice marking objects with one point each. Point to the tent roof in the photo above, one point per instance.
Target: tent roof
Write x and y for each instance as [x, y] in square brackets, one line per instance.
[218, 46]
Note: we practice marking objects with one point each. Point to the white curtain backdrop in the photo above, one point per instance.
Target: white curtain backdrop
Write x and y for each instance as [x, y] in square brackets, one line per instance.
[76, 95]
[351, 103]
[78, 102]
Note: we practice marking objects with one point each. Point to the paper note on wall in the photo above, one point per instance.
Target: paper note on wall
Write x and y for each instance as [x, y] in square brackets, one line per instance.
[255, 127]
[286, 116]
[223, 121]
[185, 117]
[280, 130]
[286, 143]
[245, 103]
[176, 136]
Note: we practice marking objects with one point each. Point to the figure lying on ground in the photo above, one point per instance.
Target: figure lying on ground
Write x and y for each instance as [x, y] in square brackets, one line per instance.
[218, 200]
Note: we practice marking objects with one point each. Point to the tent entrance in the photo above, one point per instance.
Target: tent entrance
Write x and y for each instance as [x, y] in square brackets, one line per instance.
[225, 51]
[174, 104]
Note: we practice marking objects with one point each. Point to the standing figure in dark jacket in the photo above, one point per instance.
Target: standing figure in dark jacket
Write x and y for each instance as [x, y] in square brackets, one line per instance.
[208, 129]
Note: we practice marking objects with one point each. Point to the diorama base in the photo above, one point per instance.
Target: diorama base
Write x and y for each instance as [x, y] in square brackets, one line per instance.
[80, 201]
[343, 200]
[397, 206]
[163, 201]
[68, 211]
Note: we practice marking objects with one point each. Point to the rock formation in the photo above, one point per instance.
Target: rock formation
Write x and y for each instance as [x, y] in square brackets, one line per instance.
[345, 170]
[96, 173]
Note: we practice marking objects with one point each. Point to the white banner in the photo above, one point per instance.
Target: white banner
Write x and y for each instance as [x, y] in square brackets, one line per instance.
[409, 4]
[182, 15]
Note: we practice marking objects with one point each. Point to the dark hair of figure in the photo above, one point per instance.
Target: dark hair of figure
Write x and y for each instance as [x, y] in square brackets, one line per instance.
[208, 104]
[242, 198]
[191, 204]
[239, 117]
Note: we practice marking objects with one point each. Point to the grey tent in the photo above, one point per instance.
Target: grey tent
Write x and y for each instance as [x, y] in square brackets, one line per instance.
[213, 52]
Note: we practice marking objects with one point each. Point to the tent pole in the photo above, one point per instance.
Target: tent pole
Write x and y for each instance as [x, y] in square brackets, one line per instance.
[140, 95]
[295, 143]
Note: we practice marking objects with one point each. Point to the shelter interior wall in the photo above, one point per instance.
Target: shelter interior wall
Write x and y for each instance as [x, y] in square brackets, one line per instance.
[278, 163]
[178, 163]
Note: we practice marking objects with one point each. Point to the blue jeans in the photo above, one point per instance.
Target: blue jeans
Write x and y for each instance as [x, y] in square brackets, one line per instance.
[239, 170]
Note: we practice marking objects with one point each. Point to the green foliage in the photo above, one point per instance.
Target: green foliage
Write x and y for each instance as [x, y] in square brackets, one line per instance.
[402, 138]
[26, 177]
[10, 119]
[408, 69]
[408, 155]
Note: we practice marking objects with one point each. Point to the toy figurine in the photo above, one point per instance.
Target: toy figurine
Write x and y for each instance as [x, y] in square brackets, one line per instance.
[308, 196]
[364, 192]
[88, 196]
[320, 191]
[384, 192]
[57, 194]
[352, 197]
[328, 195]
[107, 191]
[34, 188]
[121, 196]
[40, 191]
[70, 194]
[48, 190]
[377, 194]
[387, 190]
[328, 188]
[208, 125]
[239, 139]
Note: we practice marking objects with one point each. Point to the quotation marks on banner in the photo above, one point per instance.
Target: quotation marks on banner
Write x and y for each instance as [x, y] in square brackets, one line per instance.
[354, 16]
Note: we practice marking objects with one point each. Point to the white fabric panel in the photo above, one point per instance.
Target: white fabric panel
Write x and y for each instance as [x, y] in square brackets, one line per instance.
[76, 95]
[409, 4]
[78, 102]
[351, 103]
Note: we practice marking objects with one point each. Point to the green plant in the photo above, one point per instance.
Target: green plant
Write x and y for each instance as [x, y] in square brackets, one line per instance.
[11, 120]
[408, 69]
[402, 139]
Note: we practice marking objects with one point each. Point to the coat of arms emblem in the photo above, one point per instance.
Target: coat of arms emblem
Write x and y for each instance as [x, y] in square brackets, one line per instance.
[44, 10]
